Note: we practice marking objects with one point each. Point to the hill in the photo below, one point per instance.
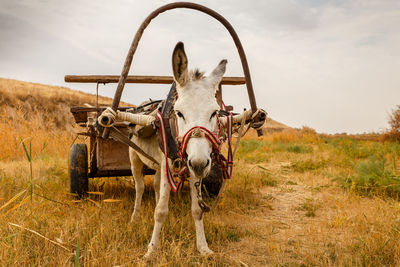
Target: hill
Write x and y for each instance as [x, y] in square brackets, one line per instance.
[49, 105]
[271, 126]
[45, 104]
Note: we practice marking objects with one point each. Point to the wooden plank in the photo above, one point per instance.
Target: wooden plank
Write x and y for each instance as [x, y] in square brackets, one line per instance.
[114, 173]
[139, 79]
[74, 110]
[112, 155]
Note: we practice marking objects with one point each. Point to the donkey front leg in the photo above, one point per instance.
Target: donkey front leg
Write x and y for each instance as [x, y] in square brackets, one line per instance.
[160, 213]
[157, 178]
[197, 214]
[137, 167]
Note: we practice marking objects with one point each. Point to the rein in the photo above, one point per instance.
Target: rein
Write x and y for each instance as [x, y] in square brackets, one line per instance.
[177, 176]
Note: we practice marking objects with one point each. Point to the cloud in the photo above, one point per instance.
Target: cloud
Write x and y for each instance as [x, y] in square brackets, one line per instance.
[331, 65]
[49, 18]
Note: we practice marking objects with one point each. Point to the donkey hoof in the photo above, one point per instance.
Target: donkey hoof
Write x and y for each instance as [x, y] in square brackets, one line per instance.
[134, 217]
[206, 251]
[148, 256]
[151, 249]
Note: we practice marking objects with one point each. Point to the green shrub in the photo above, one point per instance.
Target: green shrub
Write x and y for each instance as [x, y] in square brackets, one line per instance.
[299, 149]
[307, 165]
[355, 149]
[374, 177]
[247, 146]
[293, 148]
[310, 207]
[220, 232]
[253, 151]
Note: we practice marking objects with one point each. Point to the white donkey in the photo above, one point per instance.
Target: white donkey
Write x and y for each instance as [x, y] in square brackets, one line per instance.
[195, 106]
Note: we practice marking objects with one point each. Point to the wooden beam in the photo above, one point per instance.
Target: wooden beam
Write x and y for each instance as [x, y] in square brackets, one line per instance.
[139, 79]
[218, 95]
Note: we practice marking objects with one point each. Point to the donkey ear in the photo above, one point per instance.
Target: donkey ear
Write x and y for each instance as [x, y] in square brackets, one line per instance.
[180, 64]
[217, 74]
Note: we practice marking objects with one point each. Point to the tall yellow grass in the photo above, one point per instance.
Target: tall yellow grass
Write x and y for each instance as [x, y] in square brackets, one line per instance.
[289, 135]
[42, 134]
[283, 206]
[39, 114]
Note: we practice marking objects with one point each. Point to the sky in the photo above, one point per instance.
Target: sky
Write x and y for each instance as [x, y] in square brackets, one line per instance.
[331, 65]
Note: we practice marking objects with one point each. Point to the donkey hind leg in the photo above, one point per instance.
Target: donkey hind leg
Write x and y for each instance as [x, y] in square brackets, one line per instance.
[157, 178]
[160, 213]
[137, 167]
[197, 215]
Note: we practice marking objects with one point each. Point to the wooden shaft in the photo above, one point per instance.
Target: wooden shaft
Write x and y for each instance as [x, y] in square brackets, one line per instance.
[218, 95]
[139, 79]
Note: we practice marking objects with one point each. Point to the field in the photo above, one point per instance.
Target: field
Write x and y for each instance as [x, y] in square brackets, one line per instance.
[297, 198]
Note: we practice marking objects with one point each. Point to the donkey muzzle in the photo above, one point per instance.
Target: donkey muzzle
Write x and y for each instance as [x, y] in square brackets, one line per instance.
[199, 166]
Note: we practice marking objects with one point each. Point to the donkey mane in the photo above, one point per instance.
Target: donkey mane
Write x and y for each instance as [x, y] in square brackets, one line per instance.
[196, 75]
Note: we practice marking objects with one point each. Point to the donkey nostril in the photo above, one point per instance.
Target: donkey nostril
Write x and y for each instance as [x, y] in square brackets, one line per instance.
[199, 166]
[208, 162]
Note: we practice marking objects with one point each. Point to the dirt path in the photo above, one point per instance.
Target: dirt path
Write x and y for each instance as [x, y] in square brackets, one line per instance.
[286, 203]
[289, 230]
[286, 199]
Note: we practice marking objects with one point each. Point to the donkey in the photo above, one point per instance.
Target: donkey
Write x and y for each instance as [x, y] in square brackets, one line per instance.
[195, 106]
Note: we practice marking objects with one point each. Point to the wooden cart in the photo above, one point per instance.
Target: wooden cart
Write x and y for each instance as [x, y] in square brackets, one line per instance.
[106, 157]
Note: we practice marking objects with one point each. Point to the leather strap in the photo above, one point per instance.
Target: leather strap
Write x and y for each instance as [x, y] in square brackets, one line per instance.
[167, 112]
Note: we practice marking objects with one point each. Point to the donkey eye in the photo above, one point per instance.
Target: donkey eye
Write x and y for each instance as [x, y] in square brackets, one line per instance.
[213, 114]
[180, 115]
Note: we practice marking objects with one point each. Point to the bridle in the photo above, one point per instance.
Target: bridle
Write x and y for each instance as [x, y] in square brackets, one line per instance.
[179, 172]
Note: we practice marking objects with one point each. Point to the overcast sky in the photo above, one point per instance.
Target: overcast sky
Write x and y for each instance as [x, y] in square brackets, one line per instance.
[332, 65]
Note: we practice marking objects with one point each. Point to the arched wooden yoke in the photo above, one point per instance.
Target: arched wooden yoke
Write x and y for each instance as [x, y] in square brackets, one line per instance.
[146, 22]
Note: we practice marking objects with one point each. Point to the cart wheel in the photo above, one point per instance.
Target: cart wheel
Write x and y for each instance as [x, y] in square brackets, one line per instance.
[78, 169]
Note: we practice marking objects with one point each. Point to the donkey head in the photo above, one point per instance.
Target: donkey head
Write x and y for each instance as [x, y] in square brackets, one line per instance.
[196, 106]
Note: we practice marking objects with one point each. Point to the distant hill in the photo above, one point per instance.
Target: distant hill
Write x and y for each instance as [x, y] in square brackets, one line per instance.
[271, 126]
[51, 104]
[39, 102]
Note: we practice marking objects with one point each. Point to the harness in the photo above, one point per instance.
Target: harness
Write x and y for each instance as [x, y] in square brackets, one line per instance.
[175, 149]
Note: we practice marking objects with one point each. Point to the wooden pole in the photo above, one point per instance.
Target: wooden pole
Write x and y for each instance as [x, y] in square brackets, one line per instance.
[139, 79]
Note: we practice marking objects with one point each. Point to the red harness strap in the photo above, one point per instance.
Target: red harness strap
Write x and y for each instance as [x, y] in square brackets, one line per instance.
[225, 164]
[164, 141]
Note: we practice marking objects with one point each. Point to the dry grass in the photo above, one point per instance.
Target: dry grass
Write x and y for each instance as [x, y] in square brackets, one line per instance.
[41, 133]
[16, 93]
[286, 205]
[40, 113]
[46, 106]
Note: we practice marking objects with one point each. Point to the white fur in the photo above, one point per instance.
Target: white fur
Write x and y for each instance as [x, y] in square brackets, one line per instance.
[196, 103]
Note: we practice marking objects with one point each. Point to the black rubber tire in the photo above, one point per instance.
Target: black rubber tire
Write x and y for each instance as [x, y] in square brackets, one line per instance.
[78, 169]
